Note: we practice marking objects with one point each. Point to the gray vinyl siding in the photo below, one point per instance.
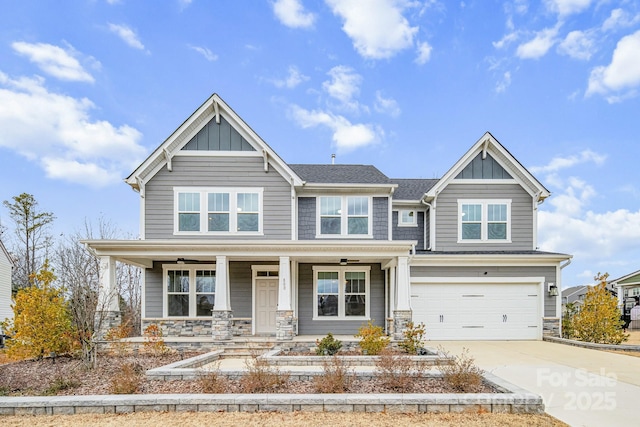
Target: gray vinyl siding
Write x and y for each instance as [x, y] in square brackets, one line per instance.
[447, 216]
[306, 324]
[240, 289]
[548, 272]
[307, 218]
[410, 233]
[205, 171]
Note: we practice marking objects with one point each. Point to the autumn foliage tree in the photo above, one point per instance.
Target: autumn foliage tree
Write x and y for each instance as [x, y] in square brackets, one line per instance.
[598, 319]
[42, 323]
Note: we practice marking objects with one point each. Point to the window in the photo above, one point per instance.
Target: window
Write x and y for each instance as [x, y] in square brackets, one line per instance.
[341, 293]
[190, 290]
[407, 218]
[484, 221]
[218, 210]
[344, 216]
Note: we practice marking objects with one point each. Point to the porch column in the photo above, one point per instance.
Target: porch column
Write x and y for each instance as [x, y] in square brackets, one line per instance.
[284, 312]
[222, 316]
[402, 313]
[107, 313]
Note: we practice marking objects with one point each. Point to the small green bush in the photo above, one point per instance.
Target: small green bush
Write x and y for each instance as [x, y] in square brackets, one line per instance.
[413, 337]
[372, 338]
[328, 345]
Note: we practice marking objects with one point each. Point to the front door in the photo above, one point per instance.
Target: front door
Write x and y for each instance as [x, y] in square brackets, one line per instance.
[266, 305]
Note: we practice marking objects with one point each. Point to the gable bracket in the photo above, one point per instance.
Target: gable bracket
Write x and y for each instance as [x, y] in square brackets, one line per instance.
[140, 186]
[216, 109]
[167, 157]
[265, 156]
[485, 145]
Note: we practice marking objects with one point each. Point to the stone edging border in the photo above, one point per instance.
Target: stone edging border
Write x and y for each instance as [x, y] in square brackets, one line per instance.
[513, 400]
[591, 345]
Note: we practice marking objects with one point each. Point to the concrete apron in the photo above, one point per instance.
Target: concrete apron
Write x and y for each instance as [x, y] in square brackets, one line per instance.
[581, 387]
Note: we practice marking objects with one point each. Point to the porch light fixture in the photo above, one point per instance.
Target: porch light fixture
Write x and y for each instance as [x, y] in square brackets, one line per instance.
[553, 290]
[343, 261]
[180, 261]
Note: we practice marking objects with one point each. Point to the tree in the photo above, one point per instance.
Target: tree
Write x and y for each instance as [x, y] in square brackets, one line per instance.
[31, 232]
[598, 319]
[41, 323]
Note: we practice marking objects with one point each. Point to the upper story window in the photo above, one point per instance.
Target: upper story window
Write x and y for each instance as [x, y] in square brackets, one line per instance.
[344, 216]
[218, 210]
[189, 291]
[407, 218]
[484, 221]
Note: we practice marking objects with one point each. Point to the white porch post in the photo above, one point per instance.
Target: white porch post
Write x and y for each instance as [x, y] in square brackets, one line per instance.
[222, 284]
[402, 314]
[284, 312]
[107, 314]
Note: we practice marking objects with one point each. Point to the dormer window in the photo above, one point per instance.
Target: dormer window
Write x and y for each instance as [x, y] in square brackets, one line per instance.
[484, 221]
[344, 216]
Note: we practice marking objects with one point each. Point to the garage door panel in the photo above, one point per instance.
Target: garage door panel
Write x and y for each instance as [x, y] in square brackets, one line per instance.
[477, 311]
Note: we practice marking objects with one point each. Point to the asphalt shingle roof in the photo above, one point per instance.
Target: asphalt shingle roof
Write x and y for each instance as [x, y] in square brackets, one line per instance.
[412, 189]
[340, 174]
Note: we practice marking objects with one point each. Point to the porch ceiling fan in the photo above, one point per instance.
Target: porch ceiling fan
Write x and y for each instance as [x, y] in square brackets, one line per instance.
[345, 261]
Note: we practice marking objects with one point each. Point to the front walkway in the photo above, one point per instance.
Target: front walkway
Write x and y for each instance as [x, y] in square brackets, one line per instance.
[581, 387]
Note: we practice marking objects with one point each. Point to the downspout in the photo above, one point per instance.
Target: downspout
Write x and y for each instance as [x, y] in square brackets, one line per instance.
[559, 297]
[432, 221]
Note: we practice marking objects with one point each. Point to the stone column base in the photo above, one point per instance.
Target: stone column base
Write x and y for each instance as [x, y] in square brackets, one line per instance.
[105, 320]
[400, 320]
[284, 325]
[222, 325]
[551, 327]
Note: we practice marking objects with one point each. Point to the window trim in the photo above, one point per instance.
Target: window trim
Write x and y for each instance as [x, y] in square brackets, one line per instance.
[341, 270]
[191, 268]
[402, 223]
[344, 218]
[204, 210]
[484, 223]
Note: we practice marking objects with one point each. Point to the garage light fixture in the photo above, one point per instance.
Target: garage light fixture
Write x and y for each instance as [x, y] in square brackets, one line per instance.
[553, 290]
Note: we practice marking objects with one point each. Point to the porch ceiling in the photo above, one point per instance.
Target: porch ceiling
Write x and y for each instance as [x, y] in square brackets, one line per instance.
[144, 252]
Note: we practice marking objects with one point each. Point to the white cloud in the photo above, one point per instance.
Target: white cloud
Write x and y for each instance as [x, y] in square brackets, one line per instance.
[386, 105]
[346, 135]
[343, 86]
[379, 30]
[127, 35]
[205, 52]
[559, 163]
[54, 60]
[56, 132]
[293, 79]
[619, 19]
[424, 53]
[503, 84]
[621, 77]
[567, 7]
[577, 45]
[506, 40]
[292, 14]
[539, 45]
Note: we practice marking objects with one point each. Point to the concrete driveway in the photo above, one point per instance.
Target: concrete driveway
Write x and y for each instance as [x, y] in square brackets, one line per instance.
[579, 386]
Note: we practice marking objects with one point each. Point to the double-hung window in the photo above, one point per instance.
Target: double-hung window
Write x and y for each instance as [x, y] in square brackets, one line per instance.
[341, 292]
[344, 216]
[189, 291]
[218, 210]
[484, 221]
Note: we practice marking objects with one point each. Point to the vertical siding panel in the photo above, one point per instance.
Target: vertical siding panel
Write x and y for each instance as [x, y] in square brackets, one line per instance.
[225, 135]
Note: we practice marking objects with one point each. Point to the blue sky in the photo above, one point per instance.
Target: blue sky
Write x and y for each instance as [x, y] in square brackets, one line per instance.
[89, 88]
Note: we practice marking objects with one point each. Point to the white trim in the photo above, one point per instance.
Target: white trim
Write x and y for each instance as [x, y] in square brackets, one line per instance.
[484, 223]
[233, 210]
[341, 270]
[344, 218]
[215, 153]
[408, 224]
[484, 181]
[192, 288]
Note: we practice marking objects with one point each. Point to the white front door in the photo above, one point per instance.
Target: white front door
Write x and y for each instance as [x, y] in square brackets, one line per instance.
[266, 305]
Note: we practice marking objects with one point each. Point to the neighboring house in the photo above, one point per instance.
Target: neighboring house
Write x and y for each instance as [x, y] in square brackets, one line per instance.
[237, 242]
[574, 294]
[6, 267]
[628, 290]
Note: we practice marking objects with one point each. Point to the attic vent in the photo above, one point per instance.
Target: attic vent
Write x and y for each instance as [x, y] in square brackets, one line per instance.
[218, 137]
[483, 169]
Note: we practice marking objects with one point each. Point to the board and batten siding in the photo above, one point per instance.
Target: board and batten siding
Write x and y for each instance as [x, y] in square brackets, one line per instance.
[447, 218]
[5, 287]
[548, 272]
[308, 326]
[227, 171]
[240, 289]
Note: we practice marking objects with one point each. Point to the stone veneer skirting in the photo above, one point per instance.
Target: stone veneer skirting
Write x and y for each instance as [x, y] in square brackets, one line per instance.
[240, 326]
[401, 318]
[551, 326]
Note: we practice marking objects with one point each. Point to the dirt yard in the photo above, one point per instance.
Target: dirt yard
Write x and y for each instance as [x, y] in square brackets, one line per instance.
[298, 419]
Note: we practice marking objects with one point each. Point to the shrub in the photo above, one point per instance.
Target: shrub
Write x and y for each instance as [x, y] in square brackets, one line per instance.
[328, 345]
[60, 383]
[336, 378]
[262, 377]
[127, 380]
[213, 382]
[116, 334]
[396, 371]
[372, 338]
[153, 341]
[413, 337]
[460, 372]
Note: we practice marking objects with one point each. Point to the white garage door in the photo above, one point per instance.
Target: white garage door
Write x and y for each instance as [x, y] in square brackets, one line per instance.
[463, 311]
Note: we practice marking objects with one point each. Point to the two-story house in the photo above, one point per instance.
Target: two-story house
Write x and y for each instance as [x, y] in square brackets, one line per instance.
[237, 242]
